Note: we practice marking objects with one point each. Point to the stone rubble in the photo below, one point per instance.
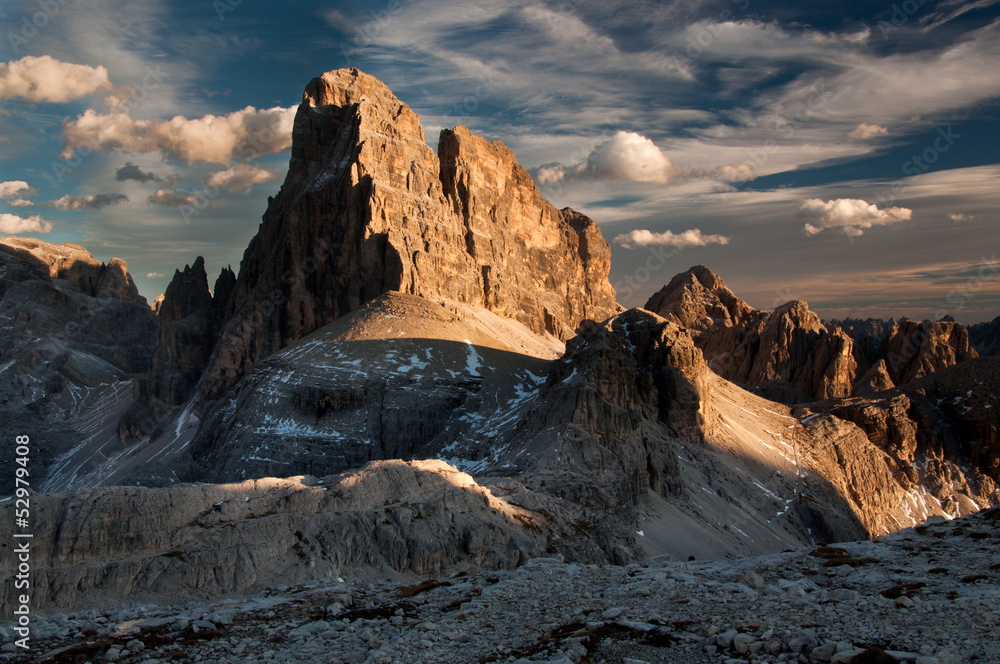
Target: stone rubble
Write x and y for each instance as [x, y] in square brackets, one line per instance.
[928, 595]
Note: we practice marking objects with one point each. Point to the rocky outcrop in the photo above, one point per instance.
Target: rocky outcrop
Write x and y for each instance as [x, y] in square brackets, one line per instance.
[190, 320]
[368, 208]
[876, 379]
[74, 266]
[604, 427]
[746, 345]
[985, 337]
[75, 332]
[913, 350]
[390, 518]
[940, 435]
[791, 356]
[402, 377]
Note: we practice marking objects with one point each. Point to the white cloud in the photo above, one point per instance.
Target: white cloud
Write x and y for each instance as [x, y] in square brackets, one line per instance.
[630, 156]
[959, 217]
[683, 240]
[850, 215]
[173, 198]
[864, 131]
[11, 224]
[155, 275]
[91, 202]
[45, 79]
[20, 203]
[215, 139]
[240, 178]
[9, 189]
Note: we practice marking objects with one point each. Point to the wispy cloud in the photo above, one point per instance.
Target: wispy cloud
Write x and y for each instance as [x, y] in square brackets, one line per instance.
[89, 202]
[132, 172]
[864, 131]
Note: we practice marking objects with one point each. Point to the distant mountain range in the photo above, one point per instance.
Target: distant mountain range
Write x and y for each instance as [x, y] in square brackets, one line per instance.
[399, 306]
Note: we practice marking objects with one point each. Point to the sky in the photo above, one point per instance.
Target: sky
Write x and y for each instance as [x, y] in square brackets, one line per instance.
[842, 153]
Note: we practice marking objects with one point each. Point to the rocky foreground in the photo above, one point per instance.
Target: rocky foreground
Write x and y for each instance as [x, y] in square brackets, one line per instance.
[929, 595]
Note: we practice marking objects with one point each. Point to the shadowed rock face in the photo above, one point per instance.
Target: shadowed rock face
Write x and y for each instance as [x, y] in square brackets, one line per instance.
[367, 208]
[127, 545]
[189, 319]
[75, 331]
[985, 337]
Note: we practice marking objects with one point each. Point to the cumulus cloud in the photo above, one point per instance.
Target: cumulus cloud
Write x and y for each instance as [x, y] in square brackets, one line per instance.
[155, 275]
[214, 139]
[173, 198]
[960, 217]
[20, 203]
[851, 215]
[683, 240]
[132, 172]
[864, 131]
[630, 156]
[91, 202]
[10, 189]
[240, 178]
[633, 157]
[45, 79]
[11, 224]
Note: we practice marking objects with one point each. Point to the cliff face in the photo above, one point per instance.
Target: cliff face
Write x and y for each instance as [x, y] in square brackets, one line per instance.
[368, 208]
[789, 355]
[189, 319]
[985, 337]
[742, 344]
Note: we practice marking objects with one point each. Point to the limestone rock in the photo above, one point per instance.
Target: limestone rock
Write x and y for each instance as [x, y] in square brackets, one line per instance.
[791, 356]
[913, 350]
[75, 332]
[746, 345]
[136, 544]
[189, 319]
[985, 337]
[876, 379]
[368, 208]
[402, 377]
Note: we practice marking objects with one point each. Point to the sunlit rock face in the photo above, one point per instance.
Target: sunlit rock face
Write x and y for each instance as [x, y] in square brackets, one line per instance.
[368, 208]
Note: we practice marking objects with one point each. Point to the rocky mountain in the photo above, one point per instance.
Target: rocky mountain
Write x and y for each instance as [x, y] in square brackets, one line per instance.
[75, 334]
[432, 353]
[367, 208]
[789, 355]
[190, 319]
[985, 337]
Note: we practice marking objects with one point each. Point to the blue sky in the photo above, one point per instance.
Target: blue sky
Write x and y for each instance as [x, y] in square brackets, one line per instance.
[844, 153]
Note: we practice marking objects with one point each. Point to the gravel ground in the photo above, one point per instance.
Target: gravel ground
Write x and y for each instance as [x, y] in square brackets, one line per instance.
[929, 595]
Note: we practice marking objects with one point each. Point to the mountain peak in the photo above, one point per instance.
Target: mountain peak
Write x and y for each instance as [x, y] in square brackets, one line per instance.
[368, 208]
